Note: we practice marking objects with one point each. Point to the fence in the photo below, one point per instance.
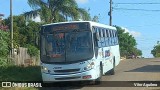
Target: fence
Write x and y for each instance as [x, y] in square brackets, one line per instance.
[24, 59]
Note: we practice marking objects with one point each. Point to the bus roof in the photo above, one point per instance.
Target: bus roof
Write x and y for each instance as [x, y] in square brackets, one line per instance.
[91, 22]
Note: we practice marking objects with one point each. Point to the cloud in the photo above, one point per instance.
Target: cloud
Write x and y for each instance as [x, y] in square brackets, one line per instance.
[133, 33]
[82, 1]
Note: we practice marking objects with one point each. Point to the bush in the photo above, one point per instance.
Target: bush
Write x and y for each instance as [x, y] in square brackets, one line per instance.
[3, 61]
[156, 51]
[4, 43]
[4, 47]
[32, 51]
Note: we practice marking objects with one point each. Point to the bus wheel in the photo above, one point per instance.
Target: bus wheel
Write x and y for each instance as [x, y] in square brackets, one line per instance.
[98, 80]
[112, 72]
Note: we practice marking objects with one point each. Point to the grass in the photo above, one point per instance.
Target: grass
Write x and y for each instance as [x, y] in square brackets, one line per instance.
[18, 73]
[16, 88]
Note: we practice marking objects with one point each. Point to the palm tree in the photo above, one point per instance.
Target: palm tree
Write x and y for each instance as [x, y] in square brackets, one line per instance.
[57, 10]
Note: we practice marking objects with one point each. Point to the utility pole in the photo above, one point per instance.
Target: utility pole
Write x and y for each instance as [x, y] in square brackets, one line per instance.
[110, 13]
[11, 27]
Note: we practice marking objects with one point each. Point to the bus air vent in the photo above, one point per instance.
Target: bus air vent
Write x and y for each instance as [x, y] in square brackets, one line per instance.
[67, 70]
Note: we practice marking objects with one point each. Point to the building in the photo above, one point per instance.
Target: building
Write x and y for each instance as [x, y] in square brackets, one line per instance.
[32, 16]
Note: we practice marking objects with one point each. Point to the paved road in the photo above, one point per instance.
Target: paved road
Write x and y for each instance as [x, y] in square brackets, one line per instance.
[128, 70]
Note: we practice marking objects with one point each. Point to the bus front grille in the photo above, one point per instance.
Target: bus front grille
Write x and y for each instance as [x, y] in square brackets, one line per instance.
[66, 71]
[67, 78]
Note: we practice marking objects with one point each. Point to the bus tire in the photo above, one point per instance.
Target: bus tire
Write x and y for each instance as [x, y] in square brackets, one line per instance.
[98, 80]
[112, 72]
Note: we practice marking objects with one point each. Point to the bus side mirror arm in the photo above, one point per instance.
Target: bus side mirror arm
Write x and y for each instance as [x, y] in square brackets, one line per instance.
[96, 39]
[96, 36]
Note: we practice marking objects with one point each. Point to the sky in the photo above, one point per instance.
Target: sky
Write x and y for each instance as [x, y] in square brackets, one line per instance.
[143, 24]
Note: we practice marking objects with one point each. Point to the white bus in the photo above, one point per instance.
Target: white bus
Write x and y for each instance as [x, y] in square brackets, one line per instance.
[77, 51]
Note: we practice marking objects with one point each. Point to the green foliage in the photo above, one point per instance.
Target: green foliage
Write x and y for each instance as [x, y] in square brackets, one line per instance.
[32, 50]
[18, 25]
[127, 43]
[4, 47]
[3, 61]
[23, 33]
[58, 10]
[95, 19]
[137, 52]
[156, 51]
[4, 43]
[17, 73]
[84, 14]
[31, 32]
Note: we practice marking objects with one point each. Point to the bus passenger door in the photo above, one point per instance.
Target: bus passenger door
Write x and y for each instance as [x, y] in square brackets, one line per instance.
[99, 48]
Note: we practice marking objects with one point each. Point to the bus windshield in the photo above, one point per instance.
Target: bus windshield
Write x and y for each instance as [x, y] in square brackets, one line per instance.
[70, 46]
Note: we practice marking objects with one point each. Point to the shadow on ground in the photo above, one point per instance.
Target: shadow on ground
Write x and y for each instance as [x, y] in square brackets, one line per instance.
[148, 68]
[155, 61]
[63, 86]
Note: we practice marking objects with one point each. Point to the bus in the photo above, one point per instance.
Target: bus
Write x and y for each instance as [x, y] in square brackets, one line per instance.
[78, 51]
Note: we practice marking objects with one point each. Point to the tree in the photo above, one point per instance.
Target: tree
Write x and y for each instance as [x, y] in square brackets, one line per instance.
[31, 32]
[127, 43]
[156, 50]
[58, 10]
[23, 34]
[137, 52]
[18, 27]
[95, 19]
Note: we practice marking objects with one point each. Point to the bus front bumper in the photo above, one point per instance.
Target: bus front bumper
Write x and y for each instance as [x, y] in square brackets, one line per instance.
[87, 75]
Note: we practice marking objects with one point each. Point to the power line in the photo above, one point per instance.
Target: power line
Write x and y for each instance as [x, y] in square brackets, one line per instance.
[136, 3]
[136, 9]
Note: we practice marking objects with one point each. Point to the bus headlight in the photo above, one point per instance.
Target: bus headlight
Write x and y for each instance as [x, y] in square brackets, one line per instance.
[89, 66]
[44, 69]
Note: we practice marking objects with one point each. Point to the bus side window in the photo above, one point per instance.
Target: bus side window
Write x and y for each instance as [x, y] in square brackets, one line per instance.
[109, 38]
[111, 32]
[96, 36]
[106, 38]
[102, 38]
[116, 36]
[115, 41]
[113, 36]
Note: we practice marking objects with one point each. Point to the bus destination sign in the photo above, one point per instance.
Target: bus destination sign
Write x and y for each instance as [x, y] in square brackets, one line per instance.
[66, 27]
[70, 26]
